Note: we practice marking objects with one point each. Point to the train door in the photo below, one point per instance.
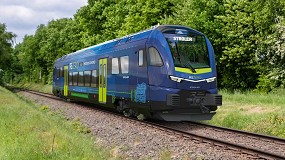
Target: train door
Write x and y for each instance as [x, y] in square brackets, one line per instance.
[65, 77]
[141, 77]
[103, 80]
[157, 75]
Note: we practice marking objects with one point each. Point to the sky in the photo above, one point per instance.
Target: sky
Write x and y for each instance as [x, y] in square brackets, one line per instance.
[23, 16]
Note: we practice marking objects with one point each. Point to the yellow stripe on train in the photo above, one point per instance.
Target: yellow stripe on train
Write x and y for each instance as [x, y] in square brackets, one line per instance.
[198, 71]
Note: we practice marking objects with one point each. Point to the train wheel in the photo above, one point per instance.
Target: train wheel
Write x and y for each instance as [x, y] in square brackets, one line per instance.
[127, 112]
[141, 117]
[58, 94]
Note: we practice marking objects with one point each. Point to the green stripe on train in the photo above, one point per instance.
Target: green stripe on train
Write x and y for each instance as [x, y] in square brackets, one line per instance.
[81, 95]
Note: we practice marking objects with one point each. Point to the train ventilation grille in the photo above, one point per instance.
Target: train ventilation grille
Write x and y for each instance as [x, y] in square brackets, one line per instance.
[197, 93]
[173, 100]
[218, 99]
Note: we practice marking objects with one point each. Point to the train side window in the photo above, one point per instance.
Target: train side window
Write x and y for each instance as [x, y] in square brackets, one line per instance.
[154, 57]
[94, 78]
[61, 72]
[115, 65]
[70, 79]
[125, 64]
[75, 78]
[58, 72]
[87, 78]
[80, 79]
[140, 57]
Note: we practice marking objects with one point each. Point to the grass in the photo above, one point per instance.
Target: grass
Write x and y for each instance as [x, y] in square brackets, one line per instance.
[252, 111]
[274, 98]
[35, 86]
[31, 132]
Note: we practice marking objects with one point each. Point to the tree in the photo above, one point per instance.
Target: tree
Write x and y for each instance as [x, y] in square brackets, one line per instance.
[102, 20]
[26, 54]
[271, 55]
[6, 43]
[244, 25]
[143, 14]
[90, 19]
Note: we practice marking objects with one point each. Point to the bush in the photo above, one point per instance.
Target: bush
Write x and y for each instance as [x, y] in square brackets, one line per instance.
[265, 84]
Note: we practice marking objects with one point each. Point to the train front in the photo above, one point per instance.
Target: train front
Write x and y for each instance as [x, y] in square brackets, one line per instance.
[189, 87]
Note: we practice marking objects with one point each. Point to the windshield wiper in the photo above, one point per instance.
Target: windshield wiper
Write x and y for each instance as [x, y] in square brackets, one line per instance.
[187, 64]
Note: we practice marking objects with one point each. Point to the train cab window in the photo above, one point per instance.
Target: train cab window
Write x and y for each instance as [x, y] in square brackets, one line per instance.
[115, 65]
[74, 78]
[94, 78]
[80, 79]
[125, 64]
[140, 57]
[154, 57]
[87, 78]
[70, 79]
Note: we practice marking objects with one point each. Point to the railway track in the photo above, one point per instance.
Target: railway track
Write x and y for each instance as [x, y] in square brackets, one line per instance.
[257, 145]
[222, 142]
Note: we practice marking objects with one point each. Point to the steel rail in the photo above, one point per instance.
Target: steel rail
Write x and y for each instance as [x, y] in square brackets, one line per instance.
[253, 135]
[241, 148]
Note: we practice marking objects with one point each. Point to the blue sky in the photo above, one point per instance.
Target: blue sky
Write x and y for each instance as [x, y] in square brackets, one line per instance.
[23, 16]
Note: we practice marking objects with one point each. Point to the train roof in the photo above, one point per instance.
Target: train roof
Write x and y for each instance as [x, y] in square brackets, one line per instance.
[119, 41]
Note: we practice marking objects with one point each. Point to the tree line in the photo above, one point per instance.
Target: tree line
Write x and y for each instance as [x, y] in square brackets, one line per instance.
[248, 37]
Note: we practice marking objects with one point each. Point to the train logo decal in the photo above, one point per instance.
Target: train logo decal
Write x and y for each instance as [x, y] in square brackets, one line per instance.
[140, 93]
[73, 65]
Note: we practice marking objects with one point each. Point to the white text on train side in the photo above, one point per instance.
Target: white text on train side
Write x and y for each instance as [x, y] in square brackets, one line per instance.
[89, 63]
[183, 39]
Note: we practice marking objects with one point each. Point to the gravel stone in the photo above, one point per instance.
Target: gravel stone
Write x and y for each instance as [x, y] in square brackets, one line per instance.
[238, 138]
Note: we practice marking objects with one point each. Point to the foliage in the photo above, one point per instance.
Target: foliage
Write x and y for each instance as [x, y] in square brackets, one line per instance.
[38, 52]
[143, 14]
[244, 23]
[6, 42]
[6, 56]
[271, 53]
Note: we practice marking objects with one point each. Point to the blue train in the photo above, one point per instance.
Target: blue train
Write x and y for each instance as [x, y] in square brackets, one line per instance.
[167, 72]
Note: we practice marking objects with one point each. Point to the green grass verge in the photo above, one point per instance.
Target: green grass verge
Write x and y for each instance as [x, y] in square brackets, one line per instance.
[31, 132]
[45, 88]
[252, 111]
